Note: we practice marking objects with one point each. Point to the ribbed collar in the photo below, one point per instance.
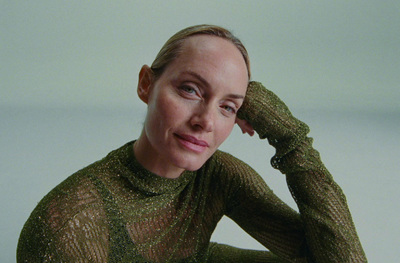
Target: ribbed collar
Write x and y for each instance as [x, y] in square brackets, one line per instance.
[146, 181]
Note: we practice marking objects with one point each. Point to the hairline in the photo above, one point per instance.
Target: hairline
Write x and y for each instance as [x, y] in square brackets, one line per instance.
[174, 48]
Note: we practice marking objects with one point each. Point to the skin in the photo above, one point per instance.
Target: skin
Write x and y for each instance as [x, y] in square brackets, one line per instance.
[192, 106]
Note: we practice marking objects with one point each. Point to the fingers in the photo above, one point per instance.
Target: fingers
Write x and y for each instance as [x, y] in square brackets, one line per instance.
[245, 127]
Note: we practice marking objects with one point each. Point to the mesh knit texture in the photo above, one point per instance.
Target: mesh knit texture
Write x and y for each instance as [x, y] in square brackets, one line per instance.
[114, 210]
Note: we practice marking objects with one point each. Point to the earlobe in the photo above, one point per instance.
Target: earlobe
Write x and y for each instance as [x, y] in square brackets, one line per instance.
[144, 83]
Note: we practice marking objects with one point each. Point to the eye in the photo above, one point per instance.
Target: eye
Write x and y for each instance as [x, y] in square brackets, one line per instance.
[229, 109]
[188, 89]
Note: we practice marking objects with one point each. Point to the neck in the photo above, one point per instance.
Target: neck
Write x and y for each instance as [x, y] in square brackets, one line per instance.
[153, 161]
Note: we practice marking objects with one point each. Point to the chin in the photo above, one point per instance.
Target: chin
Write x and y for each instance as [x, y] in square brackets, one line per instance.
[191, 164]
[194, 168]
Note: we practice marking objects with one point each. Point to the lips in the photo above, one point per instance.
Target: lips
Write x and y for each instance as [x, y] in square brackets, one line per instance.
[192, 143]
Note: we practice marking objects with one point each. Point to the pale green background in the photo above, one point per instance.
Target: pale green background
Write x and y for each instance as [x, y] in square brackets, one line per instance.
[69, 72]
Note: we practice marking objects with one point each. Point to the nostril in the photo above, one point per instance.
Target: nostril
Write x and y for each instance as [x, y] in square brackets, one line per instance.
[203, 120]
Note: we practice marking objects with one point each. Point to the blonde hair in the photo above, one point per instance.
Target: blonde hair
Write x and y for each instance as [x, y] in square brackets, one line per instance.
[171, 49]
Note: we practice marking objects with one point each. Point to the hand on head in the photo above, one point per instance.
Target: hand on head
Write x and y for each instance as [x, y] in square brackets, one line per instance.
[245, 126]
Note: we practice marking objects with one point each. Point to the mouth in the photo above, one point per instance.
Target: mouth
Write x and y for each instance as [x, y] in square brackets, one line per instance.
[192, 143]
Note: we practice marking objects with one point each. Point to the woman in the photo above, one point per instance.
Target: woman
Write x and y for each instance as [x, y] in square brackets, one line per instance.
[159, 198]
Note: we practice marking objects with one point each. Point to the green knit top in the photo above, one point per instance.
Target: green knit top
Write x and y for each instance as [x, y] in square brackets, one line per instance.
[115, 210]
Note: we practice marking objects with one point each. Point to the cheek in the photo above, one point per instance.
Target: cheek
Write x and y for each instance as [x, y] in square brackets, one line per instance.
[224, 130]
[166, 112]
[170, 109]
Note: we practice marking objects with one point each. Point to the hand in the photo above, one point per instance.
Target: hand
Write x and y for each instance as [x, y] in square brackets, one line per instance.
[245, 126]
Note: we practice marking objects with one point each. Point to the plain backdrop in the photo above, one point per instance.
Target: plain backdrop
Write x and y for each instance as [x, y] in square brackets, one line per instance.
[68, 95]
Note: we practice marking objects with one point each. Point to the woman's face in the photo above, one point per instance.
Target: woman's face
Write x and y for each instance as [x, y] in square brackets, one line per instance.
[192, 106]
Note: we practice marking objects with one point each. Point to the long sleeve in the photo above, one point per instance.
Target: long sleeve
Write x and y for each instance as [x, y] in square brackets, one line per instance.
[221, 253]
[328, 229]
[68, 225]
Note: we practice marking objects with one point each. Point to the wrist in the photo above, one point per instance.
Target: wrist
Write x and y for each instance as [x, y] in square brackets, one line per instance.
[252, 107]
[270, 117]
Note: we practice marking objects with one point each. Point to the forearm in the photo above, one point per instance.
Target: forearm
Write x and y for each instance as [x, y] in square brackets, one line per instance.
[220, 253]
[328, 227]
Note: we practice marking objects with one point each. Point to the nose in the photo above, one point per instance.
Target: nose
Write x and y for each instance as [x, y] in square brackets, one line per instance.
[203, 118]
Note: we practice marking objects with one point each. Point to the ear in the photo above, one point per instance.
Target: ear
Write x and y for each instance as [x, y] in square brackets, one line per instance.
[145, 82]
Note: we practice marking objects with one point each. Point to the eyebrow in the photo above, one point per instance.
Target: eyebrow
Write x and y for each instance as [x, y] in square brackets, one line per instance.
[235, 96]
[197, 76]
[205, 82]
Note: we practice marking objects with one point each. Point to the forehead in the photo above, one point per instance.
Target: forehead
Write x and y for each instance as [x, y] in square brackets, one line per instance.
[209, 44]
[215, 60]
[208, 52]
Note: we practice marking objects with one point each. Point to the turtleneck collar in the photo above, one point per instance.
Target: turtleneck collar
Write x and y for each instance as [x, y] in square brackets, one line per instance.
[146, 181]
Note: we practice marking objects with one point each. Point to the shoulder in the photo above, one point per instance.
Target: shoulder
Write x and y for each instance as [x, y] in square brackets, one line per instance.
[72, 210]
[79, 192]
[236, 180]
[61, 217]
[77, 196]
[230, 164]
[229, 171]
[237, 173]
[72, 198]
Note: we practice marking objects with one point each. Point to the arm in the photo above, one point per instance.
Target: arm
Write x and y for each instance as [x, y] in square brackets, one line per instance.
[68, 225]
[78, 241]
[329, 232]
[220, 253]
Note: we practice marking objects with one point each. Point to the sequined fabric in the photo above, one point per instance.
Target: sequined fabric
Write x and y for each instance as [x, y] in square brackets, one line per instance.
[116, 211]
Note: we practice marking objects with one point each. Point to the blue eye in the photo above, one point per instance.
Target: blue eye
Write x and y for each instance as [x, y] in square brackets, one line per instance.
[188, 89]
[229, 109]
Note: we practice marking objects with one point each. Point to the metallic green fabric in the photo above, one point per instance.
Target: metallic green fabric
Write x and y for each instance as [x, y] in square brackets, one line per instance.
[116, 211]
